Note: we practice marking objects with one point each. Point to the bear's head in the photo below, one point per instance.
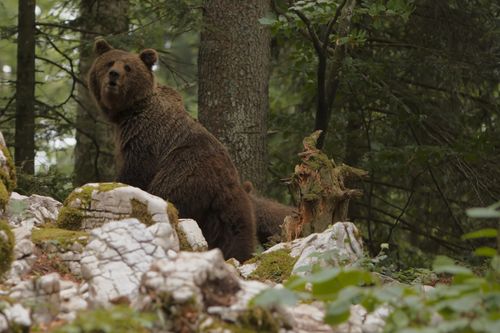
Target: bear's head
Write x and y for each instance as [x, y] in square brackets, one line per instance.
[119, 79]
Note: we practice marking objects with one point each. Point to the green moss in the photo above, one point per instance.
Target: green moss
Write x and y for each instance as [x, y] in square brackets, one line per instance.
[252, 320]
[62, 237]
[259, 319]
[140, 211]
[183, 242]
[7, 242]
[173, 214]
[70, 218]
[275, 266]
[173, 218]
[84, 193]
[118, 319]
[10, 178]
[4, 196]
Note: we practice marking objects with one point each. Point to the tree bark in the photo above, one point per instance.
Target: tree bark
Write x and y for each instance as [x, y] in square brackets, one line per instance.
[25, 89]
[234, 65]
[94, 160]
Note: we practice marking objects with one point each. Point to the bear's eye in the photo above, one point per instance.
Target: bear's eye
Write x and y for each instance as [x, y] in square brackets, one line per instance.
[111, 63]
[127, 68]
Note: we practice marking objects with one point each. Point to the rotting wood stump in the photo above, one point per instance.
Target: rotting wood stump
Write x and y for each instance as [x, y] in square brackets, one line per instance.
[318, 188]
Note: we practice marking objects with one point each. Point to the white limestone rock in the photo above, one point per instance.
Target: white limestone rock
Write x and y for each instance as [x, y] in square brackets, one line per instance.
[339, 245]
[32, 211]
[201, 279]
[193, 235]
[115, 258]
[72, 300]
[41, 295]
[14, 315]
[94, 204]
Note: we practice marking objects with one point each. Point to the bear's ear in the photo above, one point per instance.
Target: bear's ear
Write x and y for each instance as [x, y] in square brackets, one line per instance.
[149, 57]
[101, 46]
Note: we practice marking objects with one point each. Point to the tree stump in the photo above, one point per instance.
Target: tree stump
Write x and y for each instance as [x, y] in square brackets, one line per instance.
[318, 188]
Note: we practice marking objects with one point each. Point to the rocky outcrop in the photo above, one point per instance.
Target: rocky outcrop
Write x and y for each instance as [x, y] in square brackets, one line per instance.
[117, 245]
[115, 259]
[339, 245]
[31, 211]
[94, 204]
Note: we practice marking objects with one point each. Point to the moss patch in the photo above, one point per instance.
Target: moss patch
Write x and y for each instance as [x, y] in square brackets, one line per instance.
[259, 319]
[172, 213]
[173, 217]
[118, 319]
[140, 211]
[183, 242]
[252, 320]
[7, 179]
[70, 218]
[275, 266]
[61, 237]
[84, 193]
[7, 242]
[4, 196]
[10, 178]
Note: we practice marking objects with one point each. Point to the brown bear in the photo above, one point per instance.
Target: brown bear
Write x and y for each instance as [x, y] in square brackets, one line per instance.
[162, 150]
[269, 216]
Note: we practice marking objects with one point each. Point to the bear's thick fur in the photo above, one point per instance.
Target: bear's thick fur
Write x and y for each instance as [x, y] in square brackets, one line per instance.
[161, 149]
[269, 215]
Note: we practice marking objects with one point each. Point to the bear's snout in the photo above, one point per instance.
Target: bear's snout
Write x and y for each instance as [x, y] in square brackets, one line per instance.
[114, 75]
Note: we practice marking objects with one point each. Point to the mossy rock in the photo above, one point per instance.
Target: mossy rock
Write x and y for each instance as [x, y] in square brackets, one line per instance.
[7, 178]
[274, 266]
[71, 217]
[7, 242]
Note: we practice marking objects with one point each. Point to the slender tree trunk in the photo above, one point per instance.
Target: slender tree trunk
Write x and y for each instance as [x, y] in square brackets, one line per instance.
[94, 159]
[233, 64]
[25, 89]
[331, 77]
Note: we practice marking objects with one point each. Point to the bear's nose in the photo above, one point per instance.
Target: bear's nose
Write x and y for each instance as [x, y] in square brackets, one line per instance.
[113, 75]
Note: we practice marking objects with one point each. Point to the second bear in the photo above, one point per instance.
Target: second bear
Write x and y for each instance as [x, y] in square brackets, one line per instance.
[163, 151]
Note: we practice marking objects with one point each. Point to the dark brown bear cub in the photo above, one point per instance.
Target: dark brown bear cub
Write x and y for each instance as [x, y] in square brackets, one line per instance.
[162, 150]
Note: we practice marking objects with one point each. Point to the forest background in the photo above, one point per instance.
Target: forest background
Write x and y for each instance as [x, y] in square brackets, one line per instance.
[406, 90]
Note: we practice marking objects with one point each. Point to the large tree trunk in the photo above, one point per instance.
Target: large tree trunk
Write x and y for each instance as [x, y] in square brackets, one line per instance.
[25, 88]
[233, 66]
[94, 159]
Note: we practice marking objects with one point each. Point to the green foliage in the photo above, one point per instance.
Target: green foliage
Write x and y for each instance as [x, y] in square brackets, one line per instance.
[406, 110]
[53, 184]
[460, 302]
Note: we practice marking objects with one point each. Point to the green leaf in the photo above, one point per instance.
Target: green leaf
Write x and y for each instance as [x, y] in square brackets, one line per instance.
[337, 312]
[328, 288]
[443, 264]
[296, 283]
[485, 251]
[275, 296]
[483, 233]
[485, 213]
